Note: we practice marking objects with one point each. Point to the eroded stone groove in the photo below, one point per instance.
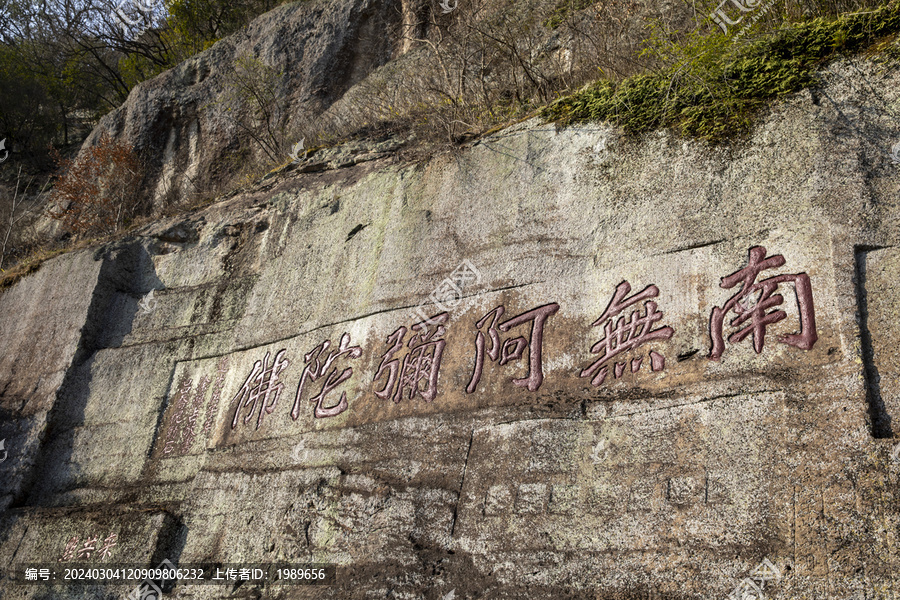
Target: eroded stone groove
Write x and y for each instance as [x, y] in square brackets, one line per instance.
[881, 420]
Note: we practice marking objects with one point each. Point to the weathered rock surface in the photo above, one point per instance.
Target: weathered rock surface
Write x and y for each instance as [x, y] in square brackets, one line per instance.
[673, 477]
[195, 139]
[331, 62]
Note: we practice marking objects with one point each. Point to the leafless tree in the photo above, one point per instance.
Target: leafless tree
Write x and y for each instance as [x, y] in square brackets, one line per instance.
[20, 207]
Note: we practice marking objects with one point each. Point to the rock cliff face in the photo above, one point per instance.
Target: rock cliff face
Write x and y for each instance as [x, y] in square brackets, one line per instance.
[554, 364]
[320, 66]
[192, 135]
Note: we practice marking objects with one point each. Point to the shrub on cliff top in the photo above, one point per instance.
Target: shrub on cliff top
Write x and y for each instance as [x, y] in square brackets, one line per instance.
[711, 88]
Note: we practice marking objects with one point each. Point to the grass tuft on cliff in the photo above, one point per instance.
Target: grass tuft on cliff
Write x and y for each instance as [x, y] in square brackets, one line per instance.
[712, 87]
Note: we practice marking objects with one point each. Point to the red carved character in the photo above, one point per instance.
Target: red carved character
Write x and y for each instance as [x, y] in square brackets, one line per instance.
[513, 348]
[90, 545]
[260, 386]
[622, 335]
[70, 549]
[316, 369]
[755, 318]
[417, 372]
[108, 543]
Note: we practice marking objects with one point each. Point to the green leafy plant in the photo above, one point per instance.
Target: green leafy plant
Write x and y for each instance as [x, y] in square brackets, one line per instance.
[710, 89]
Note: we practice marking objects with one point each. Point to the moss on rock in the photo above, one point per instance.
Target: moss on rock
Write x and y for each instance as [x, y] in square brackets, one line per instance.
[714, 92]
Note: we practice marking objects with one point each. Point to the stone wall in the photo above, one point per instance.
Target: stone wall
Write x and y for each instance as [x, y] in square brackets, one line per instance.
[553, 364]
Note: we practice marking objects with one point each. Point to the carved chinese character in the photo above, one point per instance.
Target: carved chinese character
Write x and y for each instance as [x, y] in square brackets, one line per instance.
[261, 386]
[70, 549]
[315, 368]
[621, 336]
[174, 430]
[213, 408]
[189, 429]
[90, 545]
[106, 549]
[751, 311]
[417, 372]
[512, 348]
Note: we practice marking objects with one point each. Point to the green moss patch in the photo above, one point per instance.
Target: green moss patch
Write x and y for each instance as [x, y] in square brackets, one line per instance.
[714, 91]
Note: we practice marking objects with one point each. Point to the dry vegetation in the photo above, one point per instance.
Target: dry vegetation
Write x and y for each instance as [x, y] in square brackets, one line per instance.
[485, 64]
[94, 196]
[96, 193]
